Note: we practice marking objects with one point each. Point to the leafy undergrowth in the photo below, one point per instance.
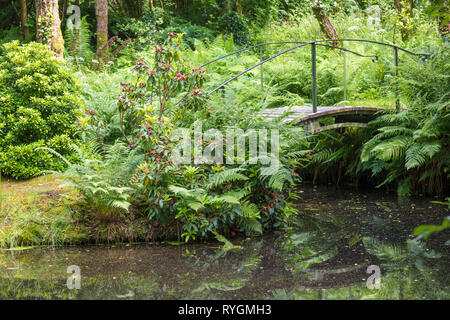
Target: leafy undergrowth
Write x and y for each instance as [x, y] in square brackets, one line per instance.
[41, 212]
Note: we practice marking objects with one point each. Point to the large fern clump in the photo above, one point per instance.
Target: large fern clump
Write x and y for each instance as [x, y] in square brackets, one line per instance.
[77, 39]
[104, 179]
[230, 199]
[412, 147]
[209, 209]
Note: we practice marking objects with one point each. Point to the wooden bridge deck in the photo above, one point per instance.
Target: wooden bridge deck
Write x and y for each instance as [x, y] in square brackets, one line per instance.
[305, 113]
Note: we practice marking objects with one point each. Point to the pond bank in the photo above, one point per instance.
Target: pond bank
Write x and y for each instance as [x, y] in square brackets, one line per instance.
[40, 212]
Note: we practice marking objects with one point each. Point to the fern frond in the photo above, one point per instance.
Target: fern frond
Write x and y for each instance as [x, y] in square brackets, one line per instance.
[226, 176]
[392, 149]
[278, 180]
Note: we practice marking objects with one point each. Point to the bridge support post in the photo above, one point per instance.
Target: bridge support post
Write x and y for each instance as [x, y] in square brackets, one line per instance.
[314, 77]
[345, 76]
[261, 59]
[397, 98]
[311, 126]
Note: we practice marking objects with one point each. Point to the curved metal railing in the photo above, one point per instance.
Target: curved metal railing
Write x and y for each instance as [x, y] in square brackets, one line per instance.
[313, 44]
[281, 42]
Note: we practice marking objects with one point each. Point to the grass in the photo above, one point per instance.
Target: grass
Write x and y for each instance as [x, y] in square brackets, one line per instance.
[40, 212]
[39, 190]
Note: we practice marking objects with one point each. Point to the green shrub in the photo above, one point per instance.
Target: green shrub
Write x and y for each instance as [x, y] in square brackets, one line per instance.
[198, 201]
[39, 99]
[26, 160]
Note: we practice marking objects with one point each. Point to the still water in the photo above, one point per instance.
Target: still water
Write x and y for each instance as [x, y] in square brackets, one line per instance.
[324, 254]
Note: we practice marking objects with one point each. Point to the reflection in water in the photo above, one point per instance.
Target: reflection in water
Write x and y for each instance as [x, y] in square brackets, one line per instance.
[323, 255]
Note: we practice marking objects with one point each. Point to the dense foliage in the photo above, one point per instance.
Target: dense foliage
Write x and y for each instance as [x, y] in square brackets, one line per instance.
[199, 201]
[39, 102]
[412, 147]
[115, 148]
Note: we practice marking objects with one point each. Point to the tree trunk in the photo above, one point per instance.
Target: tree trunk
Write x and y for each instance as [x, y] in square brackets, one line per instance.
[48, 26]
[151, 5]
[404, 9]
[444, 30]
[239, 7]
[443, 12]
[101, 11]
[24, 19]
[229, 5]
[325, 23]
[63, 10]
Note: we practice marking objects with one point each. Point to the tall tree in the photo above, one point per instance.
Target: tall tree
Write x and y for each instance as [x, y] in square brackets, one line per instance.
[325, 23]
[24, 19]
[404, 9]
[101, 12]
[48, 26]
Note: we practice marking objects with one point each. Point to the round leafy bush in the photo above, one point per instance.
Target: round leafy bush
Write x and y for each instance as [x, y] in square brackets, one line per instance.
[39, 103]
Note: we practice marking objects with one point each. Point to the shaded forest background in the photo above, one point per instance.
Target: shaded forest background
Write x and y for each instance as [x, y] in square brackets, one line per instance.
[107, 27]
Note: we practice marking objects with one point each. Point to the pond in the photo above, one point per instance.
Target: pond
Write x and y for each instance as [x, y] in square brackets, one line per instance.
[324, 254]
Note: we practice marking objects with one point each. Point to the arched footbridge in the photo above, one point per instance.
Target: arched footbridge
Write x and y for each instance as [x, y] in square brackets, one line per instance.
[309, 116]
[346, 116]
